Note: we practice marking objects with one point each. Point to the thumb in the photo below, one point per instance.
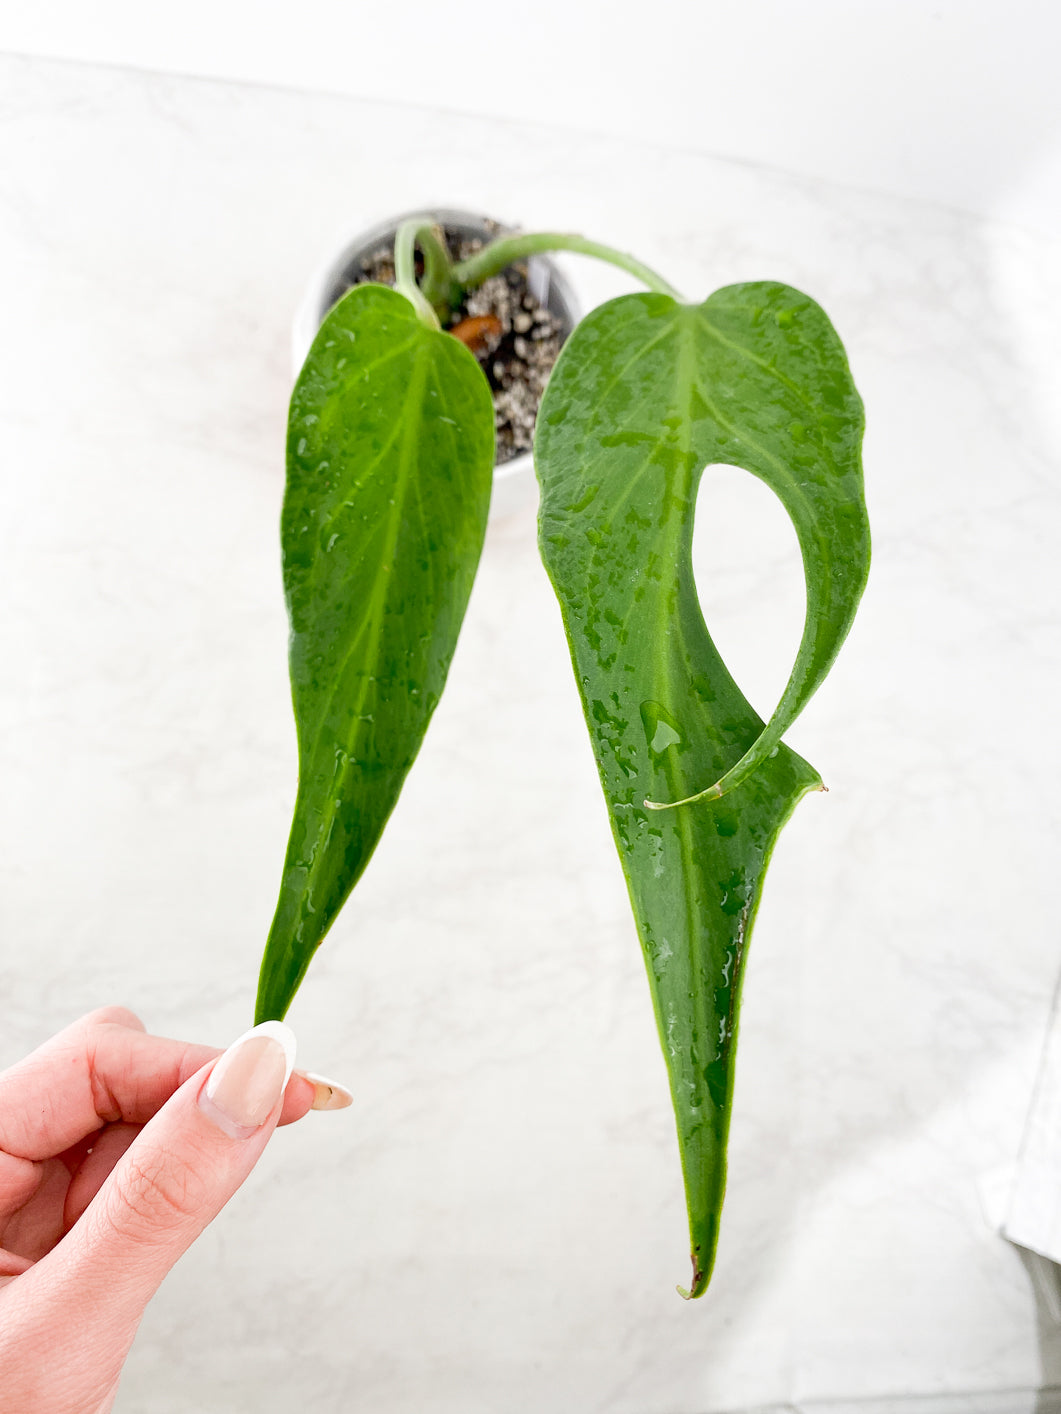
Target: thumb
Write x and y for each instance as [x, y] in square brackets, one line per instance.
[175, 1178]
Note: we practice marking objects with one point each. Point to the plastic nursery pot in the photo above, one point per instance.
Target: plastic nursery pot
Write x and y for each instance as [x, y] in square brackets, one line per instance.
[514, 478]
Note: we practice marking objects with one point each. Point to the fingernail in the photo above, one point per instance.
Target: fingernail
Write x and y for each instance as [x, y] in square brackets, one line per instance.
[327, 1094]
[246, 1083]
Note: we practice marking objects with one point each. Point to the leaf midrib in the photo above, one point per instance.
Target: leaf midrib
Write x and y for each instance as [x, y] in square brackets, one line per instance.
[407, 456]
[685, 383]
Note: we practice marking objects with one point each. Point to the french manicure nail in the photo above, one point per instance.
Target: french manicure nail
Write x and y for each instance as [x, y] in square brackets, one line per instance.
[246, 1083]
[327, 1094]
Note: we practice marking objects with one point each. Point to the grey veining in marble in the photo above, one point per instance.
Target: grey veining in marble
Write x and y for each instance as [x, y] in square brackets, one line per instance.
[497, 1223]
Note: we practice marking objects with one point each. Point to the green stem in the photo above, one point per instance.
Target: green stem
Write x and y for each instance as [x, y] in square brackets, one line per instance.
[405, 272]
[493, 258]
[440, 289]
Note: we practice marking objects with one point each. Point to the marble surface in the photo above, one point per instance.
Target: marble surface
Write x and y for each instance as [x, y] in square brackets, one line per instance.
[955, 102]
[1032, 1192]
[497, 1223]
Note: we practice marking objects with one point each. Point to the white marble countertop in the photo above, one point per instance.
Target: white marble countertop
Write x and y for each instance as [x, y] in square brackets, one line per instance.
[954, 102]
[497, 1224]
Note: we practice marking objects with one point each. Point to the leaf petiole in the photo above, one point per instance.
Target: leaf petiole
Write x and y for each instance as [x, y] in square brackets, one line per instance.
[405, 269]
[493, 258]
[444, 282]
[439, 287]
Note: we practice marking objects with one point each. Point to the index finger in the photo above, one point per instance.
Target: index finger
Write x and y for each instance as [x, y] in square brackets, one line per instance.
[96, 1072]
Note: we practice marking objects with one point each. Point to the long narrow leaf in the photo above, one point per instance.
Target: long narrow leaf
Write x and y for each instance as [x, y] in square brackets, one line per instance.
[389, 460]
[646, 394]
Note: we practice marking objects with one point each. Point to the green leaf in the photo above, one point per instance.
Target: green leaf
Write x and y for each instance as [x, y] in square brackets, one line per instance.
[390, 454]
[646, 393]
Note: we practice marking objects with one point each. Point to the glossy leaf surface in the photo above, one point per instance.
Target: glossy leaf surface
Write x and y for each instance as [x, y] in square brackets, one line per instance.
[646, 393]
[389, 462]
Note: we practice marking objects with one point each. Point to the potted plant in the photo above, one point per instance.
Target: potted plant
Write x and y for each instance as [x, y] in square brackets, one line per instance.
[516, 320]
[390, 457]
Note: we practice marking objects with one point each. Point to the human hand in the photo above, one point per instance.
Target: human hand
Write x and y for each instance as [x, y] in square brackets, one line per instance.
[116, 1150]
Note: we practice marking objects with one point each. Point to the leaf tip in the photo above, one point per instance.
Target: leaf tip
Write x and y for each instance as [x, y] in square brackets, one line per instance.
[711, 793]
[698, 1285]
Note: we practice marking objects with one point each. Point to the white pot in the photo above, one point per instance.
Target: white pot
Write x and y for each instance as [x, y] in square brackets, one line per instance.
[514, 480]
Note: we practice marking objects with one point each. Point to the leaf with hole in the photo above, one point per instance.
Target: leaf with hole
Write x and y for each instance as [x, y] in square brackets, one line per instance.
[646, 393]
[390, 454]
